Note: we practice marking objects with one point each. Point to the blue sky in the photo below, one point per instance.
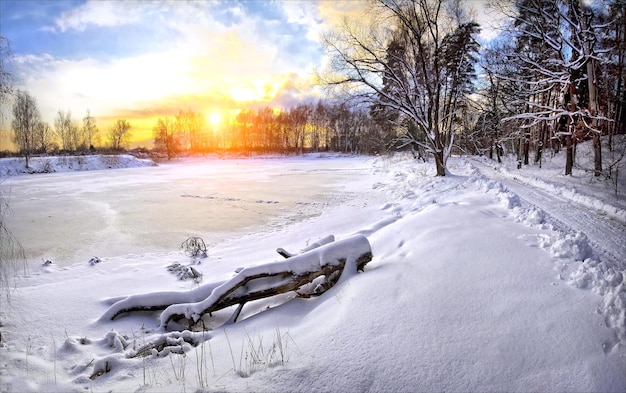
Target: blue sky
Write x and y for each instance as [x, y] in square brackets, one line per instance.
[138, 59]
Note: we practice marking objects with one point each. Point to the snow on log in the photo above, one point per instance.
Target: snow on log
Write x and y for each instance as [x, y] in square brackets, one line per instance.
[319, 243]
[333, 260]
[158, 300]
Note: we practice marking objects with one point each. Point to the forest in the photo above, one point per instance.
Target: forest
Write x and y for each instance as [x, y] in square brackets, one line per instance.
[411, 75]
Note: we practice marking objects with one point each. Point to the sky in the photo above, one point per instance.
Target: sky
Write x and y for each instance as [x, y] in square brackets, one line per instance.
[140, 60]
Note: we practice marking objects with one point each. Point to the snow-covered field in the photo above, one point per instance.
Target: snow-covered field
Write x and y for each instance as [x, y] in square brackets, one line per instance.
[472, 287]
[15, 166]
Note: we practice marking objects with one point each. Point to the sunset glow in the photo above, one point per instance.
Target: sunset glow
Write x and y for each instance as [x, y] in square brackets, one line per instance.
[139, 60]
[215, 119]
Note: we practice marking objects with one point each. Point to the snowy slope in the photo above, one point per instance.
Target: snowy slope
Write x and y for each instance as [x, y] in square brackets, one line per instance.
[16, 166]
[471, 288]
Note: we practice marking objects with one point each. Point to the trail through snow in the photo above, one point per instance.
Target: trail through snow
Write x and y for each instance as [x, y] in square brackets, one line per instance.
[606, 234]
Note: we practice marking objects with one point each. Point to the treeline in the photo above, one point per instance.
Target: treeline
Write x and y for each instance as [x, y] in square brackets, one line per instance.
[321, 126]
[32, 135]
[553, 77]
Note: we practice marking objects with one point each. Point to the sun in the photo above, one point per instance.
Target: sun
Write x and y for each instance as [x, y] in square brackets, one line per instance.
[215, 118]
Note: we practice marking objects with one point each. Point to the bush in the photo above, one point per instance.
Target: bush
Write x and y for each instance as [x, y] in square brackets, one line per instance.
[194, 246]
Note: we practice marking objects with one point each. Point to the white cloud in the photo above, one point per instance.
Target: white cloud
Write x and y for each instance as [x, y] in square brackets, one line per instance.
[99, 13]
[202, 56]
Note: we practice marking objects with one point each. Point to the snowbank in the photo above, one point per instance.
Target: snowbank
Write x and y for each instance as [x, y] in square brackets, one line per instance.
[16, 166]
[576, 260]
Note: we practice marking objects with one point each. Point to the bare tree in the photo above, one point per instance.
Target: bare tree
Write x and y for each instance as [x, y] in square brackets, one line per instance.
[89, 130]
[26, 117]
[119, 134]
[426, 77]
[43, 137]
[63, 128]
[6, 79]
[11, 252]
[164, 134]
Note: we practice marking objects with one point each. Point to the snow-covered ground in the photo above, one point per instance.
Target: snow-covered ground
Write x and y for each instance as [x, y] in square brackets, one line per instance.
[16, 166]
[472, 287]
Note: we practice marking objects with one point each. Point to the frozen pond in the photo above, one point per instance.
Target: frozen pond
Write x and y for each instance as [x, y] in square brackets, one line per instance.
[70, 217]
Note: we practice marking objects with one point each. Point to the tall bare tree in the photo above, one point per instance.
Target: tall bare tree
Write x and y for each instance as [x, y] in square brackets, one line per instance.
[427, 75]
[11, 252]
[26, 117]
[6, 79]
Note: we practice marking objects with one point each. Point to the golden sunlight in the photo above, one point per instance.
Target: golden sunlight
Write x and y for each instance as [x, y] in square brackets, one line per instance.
[215, 118]
[243, 93]
[264, 89]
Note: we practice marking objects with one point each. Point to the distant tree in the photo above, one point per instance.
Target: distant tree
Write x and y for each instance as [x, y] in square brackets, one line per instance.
[164, 134]
[265, 125]
[44, 137]
[298, 121]
[26, 117]
[63, 129]
[89, 130]
[119, 134]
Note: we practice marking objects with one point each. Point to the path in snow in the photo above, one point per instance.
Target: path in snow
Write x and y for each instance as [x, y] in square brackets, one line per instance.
[606, 236]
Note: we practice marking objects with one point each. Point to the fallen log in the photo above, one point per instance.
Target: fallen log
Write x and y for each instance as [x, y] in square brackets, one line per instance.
[161, 300]
[319, 267]
[333, 261]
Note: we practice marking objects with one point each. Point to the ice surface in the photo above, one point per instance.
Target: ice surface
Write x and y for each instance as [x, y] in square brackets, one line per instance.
[70, 217]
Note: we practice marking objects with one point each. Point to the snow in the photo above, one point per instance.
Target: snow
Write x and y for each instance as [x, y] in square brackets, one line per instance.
[16, 166]
[474, 285]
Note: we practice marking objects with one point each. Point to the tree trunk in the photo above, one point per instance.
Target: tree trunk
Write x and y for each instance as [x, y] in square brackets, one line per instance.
[526, 149]
[569, 156]
[597, 157]
[439, 162]
[593, 99]
[569, 139]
